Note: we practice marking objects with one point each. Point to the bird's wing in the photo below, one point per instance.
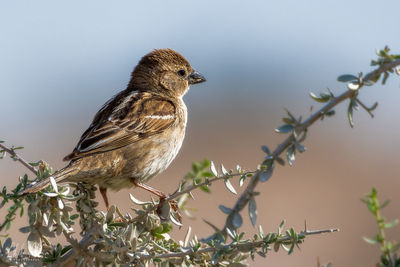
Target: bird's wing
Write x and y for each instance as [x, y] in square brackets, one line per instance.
[125, 119]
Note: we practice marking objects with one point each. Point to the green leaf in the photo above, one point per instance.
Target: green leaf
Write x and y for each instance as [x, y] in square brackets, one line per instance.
[187, 237]
[25, 229]
[21, 212]
[277, 245]
[195, 167]
[225, 210]
[370, 240]
[266, 149]
[347, 78]
[241, 180]
[288, 120]
[322, 98]
[350, 113]
[237, 220]
[284, 128]
[110, 214]
[353, 86]
[267, 173]
[224, 171]
[213, 169]
[66, 249]
[261, 231]
[8, 226]
[368, 83]
[391, 224]
[34, 244]
[230, 233]
[290, 154]
[175, 221]
[53, 184]
[229, 186]
[136, 201]
[253, 211]
[291, 249]
[238, 168]
[300, 147]
[206, 174]
[74, 217]
[330, 113]
[280, 228]
[205, 188]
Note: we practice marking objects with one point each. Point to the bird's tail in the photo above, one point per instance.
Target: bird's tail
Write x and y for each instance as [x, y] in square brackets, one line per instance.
[59, 176]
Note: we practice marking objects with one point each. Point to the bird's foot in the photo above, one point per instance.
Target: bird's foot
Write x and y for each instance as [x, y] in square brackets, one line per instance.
[163, 213]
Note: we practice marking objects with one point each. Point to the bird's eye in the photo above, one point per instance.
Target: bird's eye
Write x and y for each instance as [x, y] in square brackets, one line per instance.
[182, 73]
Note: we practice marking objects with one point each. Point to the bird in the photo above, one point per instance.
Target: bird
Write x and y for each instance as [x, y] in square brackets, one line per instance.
[137, 133]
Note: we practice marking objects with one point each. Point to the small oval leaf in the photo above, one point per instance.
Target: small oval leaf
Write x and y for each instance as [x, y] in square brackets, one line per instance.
[136, 201]
[371, 241]
[350, 113]
[253, 211]
[347, 78]
[265, 175]
[330, 113]
[175, 221]
[266, 149]
[187, 237]
[241, 180]
[34, 244]
[353, 86]
[237, 220]
[110, 214]
[213, 169]
[60, 203]
[224, 171]
[7, 244]
[53, 184]
[284, 128]
[322, 98]
[25, 229]
[230, 187]
[290, 154]
[300, 147]
[225, 210]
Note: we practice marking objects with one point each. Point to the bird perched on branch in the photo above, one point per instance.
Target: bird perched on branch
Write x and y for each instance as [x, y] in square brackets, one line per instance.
[137, 133]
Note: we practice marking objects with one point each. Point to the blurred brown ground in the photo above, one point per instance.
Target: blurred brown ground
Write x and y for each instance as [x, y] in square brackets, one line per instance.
[324, 186]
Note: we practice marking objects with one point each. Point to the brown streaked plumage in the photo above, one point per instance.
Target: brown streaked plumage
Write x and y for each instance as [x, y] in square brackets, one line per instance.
[138, 132]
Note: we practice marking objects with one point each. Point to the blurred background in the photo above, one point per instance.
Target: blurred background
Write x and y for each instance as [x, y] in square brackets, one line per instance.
[61, 61]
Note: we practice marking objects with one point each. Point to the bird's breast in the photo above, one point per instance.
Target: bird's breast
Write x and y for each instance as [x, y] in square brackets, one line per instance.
[154, 154]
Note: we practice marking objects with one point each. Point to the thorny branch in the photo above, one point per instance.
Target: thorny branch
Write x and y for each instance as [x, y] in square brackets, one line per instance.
[81, 247]
[229, 246]
[247, 193]
[207, 182]
[19, 158]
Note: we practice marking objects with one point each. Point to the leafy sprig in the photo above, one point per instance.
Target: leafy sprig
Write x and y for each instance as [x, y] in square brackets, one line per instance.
[389, 256]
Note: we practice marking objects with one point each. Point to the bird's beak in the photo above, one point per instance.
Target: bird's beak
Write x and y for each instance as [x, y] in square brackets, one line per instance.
[196, 77]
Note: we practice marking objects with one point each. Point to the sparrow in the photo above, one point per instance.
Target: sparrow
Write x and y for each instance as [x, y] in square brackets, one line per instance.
[137, 133]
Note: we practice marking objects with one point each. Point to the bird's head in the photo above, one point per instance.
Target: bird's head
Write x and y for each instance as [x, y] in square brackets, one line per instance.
[164, 71]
